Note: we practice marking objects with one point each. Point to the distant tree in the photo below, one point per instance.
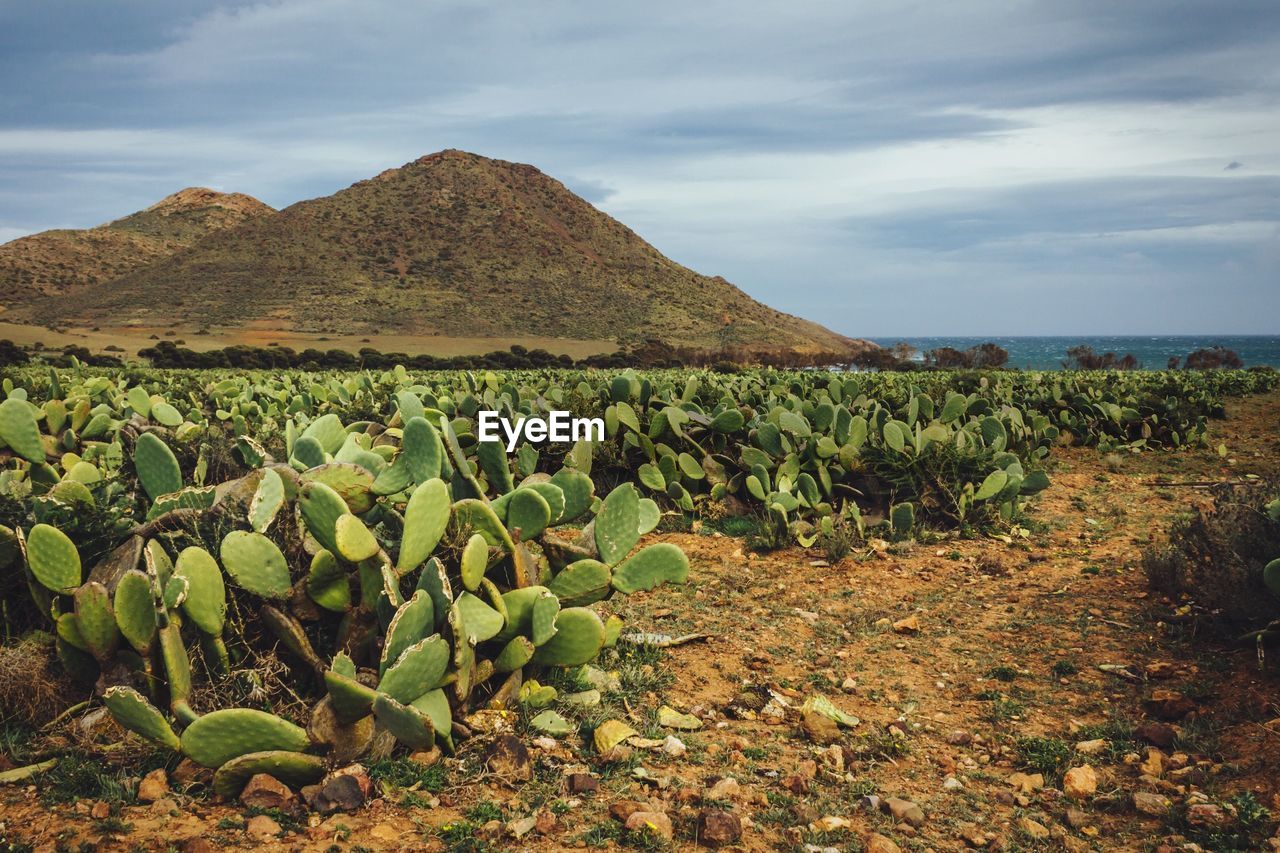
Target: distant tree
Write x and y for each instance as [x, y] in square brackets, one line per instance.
[989, 355]
[1216, 357]
[1082, 357]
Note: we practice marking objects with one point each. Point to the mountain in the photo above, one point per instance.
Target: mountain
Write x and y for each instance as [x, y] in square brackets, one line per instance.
[453, 245]
[65, 261]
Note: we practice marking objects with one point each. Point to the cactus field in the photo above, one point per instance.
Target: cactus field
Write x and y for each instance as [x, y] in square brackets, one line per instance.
[839, 591]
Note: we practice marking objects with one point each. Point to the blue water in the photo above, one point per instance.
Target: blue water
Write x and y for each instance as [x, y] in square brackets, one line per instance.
[1154, 352]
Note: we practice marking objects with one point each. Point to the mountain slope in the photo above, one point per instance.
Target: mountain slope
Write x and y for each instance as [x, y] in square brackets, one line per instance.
[65, 261]
[452, 244]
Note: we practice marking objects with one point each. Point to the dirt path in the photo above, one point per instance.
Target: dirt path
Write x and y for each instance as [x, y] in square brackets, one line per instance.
[972, 666]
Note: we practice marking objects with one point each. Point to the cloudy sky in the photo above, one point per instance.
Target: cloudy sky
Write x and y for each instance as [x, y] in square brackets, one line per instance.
[990, 167]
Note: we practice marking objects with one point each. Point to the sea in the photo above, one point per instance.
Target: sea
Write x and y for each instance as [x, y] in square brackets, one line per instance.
[1153, 352]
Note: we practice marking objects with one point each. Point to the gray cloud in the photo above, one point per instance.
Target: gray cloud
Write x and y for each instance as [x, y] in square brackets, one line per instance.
[884, 168]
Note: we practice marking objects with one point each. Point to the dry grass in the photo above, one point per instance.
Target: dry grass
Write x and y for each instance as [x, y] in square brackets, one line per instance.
[31, 692]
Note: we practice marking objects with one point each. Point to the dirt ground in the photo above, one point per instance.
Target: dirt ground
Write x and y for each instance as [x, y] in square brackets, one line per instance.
[971, 665]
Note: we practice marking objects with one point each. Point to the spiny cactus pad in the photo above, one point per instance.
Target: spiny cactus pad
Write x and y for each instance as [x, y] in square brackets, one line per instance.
[581, 582]
[19, 430]
[157, 467]
[425, 519]
[131, 710]
[651, 566]
[220, 736]
[617, 527]
[256, 564]
[206, 601]
[419, 668]
[294, 769]
[53, 559]
[579, 637]
[135, 610]
[413, 621]
[410, 726]
[354, 541]
[97, 620]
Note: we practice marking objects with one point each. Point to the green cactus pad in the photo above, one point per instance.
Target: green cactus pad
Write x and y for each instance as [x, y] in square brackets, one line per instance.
[651, 566]
[581, 582]
[528, 513]
[19, 430]
[395, 478]
[475, 561]
[650, 515]
[267, 501]
[434, 581]
[355, 542]
[1271, 576]
[410, 726]
[352, 700]
[67, 627]
[493, 461]
[551, 723]
[422, 448]
[464, 654]
[321, 507]
[157, 467]
[175, 593]
[351, 482]
[219, 736]
[578, 639]
[294, 769]
[53, 559]
[617, 527]
[135, 611]
[482, 621]
[256, 564]
[206, 601]
[128, 708]
[425, 518]
[515, 654]
[519, 604]
[328, 431]
[480, 518]
[420, 668]
[435, 704]
[327, 583]
[307, 453]
[177, 666]
[97, 620]
[414, 620]
[546, 609]
[578, 491]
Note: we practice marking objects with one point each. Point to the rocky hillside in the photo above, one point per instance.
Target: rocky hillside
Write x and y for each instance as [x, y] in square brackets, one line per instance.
[61, 262]
[452, 244]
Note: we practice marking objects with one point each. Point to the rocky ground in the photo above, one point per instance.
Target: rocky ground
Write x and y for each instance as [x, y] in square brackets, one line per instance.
[1017, 693]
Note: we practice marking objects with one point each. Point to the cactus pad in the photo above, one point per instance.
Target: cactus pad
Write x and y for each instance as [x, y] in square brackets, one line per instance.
[128, 708]
[220, 736]
[617, 527]
[321, 507]
[157, 467]
[425, 518]
[53, 559]
[206, 601]
[410, 726]
[581, 582]
[651, 566]
[267, 501]
[294, 769]
[327, 583]
[19, 430]
[256, 564]
[97, 620]
[475, 560]
[135, 611]
[578, 639]
[354, 541]
[420, 668]
[412, 622]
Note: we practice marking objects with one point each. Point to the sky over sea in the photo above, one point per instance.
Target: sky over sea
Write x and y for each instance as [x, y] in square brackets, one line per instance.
[930, 168]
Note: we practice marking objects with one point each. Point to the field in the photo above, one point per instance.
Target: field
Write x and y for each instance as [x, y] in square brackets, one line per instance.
[770, 610]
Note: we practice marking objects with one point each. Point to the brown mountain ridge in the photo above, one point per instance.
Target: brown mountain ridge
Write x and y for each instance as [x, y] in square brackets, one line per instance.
[64, 261]
[452, 244]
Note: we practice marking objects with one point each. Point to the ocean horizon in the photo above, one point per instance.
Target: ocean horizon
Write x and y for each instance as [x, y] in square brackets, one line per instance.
[1048, 352]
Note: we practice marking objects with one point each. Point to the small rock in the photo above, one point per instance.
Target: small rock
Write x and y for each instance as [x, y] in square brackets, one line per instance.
[1080, 783]
[508, 758]
[717, 827]
[343, 790]
[960, 738]
[154, 786]
[1091, 747]
[1208, 814]
[904, 810]
[1034, 829]
[877, 843]
[385, 833]
[622, 810]
[428, 758]
[830, 823]
[198, 845]
[796, 784]
[1025, 782]
[547, 824]
[651, 823]
[521, 827]
[189, 773]
[725, 789]
[100, 811]
[263, 791]
[1159, 670]
[262, 827]
[1169, 705]
[1153, 765]
[951, 783]
[1152, 804]
[820, 728]
[674, 747]
[582, 783]
[1077, 818]
[909, 625]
